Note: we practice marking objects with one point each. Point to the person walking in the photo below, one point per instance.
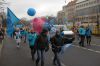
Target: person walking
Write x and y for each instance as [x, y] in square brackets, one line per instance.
[18, 38]
[32, 36]
[42, 46]
[14, 33]
[77, 34]
[23, 34]
[88, 35]
[82, 35]
[57, 43]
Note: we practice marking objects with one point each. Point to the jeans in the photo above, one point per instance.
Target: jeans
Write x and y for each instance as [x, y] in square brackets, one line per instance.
[33, 51]
[82, 38]
[88, 39]
[56, 58]
[40, 56]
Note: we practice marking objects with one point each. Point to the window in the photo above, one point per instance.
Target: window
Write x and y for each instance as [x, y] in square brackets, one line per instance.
[89, 3]
[86, 4]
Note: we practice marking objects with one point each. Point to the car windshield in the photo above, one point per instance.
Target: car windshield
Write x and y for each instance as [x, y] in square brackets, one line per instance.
[63, 27]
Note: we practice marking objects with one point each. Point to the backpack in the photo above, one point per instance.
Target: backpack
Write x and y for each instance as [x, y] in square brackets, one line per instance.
[42, 42]
[88, 32]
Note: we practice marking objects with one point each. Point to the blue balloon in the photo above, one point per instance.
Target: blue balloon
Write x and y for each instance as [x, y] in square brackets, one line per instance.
[31, 12]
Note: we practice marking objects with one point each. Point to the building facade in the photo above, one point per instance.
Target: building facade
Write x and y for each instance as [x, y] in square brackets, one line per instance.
[82, 12]
[60, 17]
[69, 10]
[88, 11]
[2, 12]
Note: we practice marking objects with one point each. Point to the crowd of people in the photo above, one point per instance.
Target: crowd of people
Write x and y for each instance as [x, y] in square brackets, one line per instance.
[40, 43]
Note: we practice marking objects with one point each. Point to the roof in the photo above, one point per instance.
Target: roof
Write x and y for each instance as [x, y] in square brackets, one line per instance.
[71, 3]
[79, 1]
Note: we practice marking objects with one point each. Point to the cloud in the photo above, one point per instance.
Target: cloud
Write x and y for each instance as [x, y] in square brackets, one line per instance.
[43, 7]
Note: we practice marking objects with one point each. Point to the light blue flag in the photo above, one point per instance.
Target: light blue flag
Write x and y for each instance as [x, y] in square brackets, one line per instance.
[12, 16]
[11, 19]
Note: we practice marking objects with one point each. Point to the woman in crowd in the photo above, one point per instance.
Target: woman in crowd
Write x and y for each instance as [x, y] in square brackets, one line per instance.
[88, 35]
[32, 36]
[42, 46]
[82, 35]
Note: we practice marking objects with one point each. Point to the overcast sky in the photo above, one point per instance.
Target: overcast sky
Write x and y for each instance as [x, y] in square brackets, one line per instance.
[42, 7]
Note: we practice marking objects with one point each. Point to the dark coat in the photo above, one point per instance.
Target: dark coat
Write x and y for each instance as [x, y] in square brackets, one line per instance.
[57, 42]
[42, 42]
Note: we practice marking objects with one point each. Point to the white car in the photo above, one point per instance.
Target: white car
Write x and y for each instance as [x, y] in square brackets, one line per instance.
[68, 35]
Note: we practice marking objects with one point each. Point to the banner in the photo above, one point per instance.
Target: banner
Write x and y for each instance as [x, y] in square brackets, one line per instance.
[11, 19]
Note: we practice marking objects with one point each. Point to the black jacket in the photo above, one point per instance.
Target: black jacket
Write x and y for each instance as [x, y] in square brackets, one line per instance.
[56, 41]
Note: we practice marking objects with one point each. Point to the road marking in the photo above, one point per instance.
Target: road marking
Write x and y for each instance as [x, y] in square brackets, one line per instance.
[91, 44]
[86, 49]
[97, 51]
[62, 64]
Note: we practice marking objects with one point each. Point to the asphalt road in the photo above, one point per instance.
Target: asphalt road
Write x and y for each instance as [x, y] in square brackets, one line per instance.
[73, 56]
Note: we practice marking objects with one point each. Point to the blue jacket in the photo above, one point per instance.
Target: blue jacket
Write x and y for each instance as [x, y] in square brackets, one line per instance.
[32, 38]
[81, 31]
[88, 32]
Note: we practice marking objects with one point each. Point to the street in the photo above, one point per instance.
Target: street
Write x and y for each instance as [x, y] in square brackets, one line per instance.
[73, 56]
[46, 22]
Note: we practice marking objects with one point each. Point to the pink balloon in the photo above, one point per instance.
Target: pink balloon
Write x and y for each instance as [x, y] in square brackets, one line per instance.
[44, 19]
[35, 19]
[38, 24]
